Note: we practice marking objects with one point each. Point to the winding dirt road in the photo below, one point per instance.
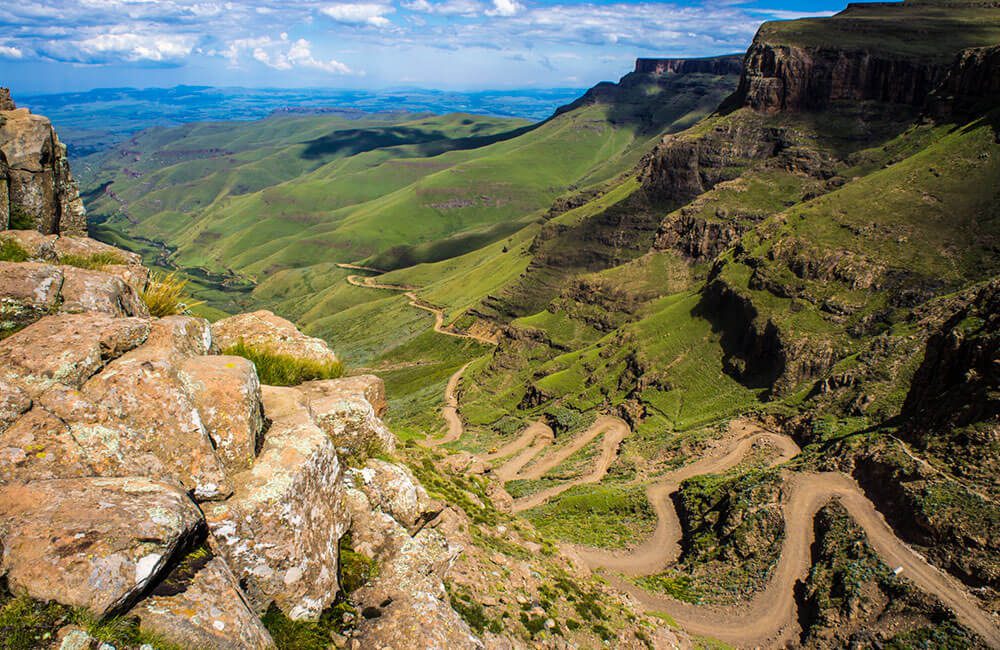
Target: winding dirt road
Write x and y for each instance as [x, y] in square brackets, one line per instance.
[416, 302]
[449, 412]
[770, 618]
[663, 547]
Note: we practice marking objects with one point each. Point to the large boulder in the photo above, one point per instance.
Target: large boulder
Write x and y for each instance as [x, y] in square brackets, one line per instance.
[226, 392]
[87, 248]
[265, 330]
[41, 446]
[92, 542]
[392, 489]
[68, 348]
[87, 290]
[200, 605]
[142, 391]
[280, 529]
[348, 410]
[28, 291]
[38, 246]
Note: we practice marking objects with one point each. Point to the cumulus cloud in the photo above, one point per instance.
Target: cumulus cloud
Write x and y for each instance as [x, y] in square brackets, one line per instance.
[9, 52]
[135, 47]
[505, 8]
[174, 32]
[360, 13]
[283, 54]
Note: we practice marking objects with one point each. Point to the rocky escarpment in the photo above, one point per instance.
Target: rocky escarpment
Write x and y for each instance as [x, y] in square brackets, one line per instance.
[717, 65]
[896, 53]
[37, 189]
[781, 77]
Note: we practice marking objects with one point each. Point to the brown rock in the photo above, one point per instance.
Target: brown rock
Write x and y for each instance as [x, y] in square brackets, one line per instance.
[392, 489]
[347, 409]
[414, 623]
[28, 291]
[184, 336]
[142, 391]
[36, 179]
[264, 329]
[38, 246]
[280, 530]
[13, 402]
[40, 446]
[86, 247]
[68, 348]
[86, 290]
[200, 605]
[226, 392]
[92, 542]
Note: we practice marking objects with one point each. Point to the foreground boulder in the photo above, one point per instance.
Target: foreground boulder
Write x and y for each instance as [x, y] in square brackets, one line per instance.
[200, 605]
[280, 529]
[262, 329]
[92, 542]
[226, 392]
[348, 410]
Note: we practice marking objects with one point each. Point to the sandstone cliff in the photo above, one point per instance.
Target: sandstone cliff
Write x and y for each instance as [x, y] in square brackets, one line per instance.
[37, 189]
[717, 65]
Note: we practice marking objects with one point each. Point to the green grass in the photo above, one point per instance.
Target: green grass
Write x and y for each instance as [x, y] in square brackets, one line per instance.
[95, 261]
[27, 624]
[165, 295]
[604, 515]
[306, 635]
[11, 251]
[276, 369]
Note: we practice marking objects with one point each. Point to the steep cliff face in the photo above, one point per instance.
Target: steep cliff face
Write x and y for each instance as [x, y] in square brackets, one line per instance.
[780, 77]
[717, 65]
[37, 190]
[682, 167]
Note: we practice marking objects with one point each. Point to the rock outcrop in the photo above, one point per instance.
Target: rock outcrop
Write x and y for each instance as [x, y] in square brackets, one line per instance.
[37, 189]
[266, 330]
[141, 473]
[717, 65]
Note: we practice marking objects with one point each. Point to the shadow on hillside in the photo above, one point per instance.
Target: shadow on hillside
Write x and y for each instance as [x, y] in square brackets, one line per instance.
[350, 142]
[653, 104]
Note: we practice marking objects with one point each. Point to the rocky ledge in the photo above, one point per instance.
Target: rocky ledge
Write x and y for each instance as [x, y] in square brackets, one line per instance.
[143, 474]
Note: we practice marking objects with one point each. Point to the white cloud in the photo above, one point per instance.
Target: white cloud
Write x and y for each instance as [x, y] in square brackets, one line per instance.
[8, 52]
[283, 54]
[136, 47]
[446, 7]
[505, 8]
[361, 13]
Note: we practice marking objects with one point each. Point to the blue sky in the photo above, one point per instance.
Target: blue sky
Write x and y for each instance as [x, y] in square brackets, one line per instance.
[63, 45]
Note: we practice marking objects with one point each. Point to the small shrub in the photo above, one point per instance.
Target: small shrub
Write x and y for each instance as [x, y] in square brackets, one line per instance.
[276, 369]
[95, 262]
[11, 251]
[164, 295]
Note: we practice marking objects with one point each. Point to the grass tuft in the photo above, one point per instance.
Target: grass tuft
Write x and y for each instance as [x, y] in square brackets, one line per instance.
[165, 296]
[276, 369]
[11, 251]
[94, 262]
